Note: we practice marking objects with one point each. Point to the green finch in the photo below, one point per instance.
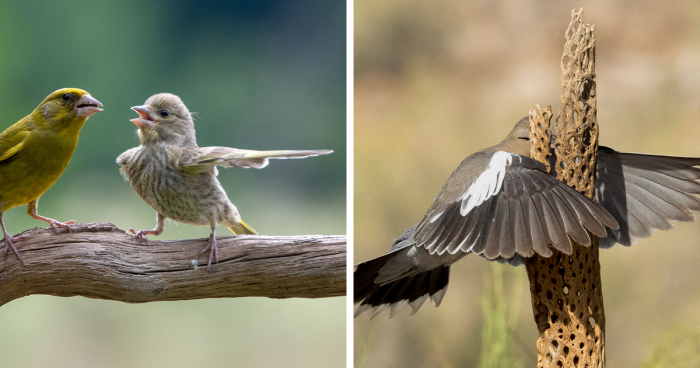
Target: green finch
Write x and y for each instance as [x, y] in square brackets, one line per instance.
[178, 178]
[35, 151]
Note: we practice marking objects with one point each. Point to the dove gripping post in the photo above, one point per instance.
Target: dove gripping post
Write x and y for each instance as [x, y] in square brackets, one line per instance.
[504, 204]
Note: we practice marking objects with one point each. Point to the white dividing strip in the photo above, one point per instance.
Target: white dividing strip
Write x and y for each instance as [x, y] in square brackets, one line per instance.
[488, 183]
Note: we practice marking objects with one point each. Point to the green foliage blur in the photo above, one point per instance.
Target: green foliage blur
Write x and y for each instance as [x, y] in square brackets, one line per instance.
[501, 313]
[437, 81]
[677, 348]
[260, 75]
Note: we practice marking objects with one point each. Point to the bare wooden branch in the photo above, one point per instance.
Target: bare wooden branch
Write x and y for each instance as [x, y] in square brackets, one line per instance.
[98, 260]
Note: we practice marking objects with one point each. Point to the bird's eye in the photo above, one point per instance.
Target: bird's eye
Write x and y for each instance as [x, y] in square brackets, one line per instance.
[524, 138]
[66, 96]
[164, 113]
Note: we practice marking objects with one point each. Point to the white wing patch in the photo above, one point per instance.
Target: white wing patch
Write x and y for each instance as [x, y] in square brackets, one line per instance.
[488, 183]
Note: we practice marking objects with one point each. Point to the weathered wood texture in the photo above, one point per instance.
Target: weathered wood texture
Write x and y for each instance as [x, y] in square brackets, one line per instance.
[98, 260]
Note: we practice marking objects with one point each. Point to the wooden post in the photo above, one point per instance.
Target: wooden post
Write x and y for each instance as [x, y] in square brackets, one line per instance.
[567, 298]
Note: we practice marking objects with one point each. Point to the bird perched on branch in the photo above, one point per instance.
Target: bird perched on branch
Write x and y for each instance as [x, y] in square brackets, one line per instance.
[35, 150]
[178, 178]
[502, 205]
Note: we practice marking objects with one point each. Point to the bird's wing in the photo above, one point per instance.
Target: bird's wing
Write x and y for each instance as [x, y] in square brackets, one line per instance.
[510, 206]
[406, 275]
[11, 141]
[645, 192]
[124, 158]
[204, 158]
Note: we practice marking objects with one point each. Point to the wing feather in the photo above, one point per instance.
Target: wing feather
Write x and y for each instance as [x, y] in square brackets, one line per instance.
[646, 192]
[568, 219]
[11, 141]
[505, 207]
[203, 158]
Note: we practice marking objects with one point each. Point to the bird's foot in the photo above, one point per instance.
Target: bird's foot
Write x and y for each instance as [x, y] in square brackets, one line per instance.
[213, 250]
[141, 234]
[9, 244]
[53, 224]
[63, 225]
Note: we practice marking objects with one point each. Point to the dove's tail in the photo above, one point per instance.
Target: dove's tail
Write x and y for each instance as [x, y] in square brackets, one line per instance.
[242, 228]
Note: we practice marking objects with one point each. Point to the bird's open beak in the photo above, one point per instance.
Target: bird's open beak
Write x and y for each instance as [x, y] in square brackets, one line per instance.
[87, 106]
[145, 120]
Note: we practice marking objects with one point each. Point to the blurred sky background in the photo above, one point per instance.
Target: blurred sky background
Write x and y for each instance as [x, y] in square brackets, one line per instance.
[261, 75]
[436, 81]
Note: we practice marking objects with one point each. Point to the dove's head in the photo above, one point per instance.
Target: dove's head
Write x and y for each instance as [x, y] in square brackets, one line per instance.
[518, 140]
[163, 118]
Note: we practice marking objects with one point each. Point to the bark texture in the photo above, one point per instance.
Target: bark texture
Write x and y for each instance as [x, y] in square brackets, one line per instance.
[98, 260]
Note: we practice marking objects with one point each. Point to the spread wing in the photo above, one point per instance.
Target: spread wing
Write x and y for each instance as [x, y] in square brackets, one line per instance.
[506, 204]
[499, 205]
[203, 158]
[645, 192]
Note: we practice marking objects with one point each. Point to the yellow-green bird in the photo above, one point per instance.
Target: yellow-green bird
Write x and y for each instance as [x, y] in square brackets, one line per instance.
[178, 178]
[35, 151]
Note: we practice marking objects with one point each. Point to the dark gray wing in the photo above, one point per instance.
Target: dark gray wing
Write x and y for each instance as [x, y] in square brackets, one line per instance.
[504, 204]
[645, 192]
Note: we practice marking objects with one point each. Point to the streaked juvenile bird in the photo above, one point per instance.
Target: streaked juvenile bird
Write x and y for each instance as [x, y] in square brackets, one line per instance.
[35, 150]
[178, 178]
[501, 204]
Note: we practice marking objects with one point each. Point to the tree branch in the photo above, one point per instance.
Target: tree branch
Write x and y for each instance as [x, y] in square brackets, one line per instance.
[98, 260]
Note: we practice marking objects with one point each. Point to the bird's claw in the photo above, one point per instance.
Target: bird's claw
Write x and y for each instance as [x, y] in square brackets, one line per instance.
[8, 241]
[213, 250]
[139, 235]
[53, 224]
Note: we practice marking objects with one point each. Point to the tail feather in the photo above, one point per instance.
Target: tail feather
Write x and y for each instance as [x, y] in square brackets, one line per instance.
[412, 290]
[242, 228]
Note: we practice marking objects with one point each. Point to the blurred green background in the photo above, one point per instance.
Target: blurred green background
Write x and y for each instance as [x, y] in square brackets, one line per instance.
[261, 75]
[436, 81]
